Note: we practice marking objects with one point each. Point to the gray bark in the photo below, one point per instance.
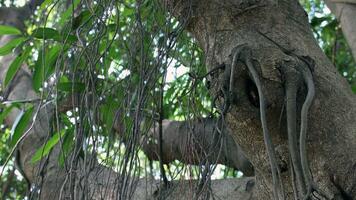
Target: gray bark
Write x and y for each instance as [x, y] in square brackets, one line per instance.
[345, 12]
[196, 142]
[275, 31]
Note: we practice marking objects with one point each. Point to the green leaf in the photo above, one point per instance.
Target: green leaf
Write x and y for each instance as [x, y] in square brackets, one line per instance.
[128, 12]
[15, 66]
[45, 66]
[84, 16]
[45, 4]
[9, 30]
[170, 91]
[109, 110]
[66, 14]
[67, 146]
[47, 33]
[47, 147]
[7, 48]
[354, 88]
[71, 86]
[20, 125]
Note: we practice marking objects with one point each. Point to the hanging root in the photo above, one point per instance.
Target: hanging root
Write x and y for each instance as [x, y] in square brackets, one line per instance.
[300, 165]
[294, 185]
[278, 191]
[291, 87]
[311, 186]
[228, 81]
[304, 66]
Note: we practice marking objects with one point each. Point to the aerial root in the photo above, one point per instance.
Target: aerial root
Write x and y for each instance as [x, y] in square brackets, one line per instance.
[278, 190]
[311, 185]
[308, 79]
[314, 188]
[294, 185]
[299, 161]
[292, 85]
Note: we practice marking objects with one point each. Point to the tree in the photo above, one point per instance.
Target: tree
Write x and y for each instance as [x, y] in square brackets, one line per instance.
[344, 10]
[270, 83]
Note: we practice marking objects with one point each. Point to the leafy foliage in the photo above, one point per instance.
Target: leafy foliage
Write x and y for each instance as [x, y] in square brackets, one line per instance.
[9, 30]
[328, 32]
[7, 48]
[46, 148]
[20, 125]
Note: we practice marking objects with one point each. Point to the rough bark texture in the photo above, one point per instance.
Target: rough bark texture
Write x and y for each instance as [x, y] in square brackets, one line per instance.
[345, 12]
[196, 142]
[274, 30]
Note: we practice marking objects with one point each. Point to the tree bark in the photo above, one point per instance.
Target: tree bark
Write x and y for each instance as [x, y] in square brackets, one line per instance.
[277, 32]
[196, 142]
[345, 12]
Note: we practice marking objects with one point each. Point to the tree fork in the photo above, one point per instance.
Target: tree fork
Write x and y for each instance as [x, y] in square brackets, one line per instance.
[276, 172]
[275, 30]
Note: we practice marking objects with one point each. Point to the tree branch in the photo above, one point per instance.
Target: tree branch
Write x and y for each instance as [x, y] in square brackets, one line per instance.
[196, 142]
[345, 12]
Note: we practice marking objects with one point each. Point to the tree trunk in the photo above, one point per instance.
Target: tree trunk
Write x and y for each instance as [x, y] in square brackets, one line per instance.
[278, 37]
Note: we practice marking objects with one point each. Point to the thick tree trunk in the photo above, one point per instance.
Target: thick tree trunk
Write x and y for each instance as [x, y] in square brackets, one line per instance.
[278, 34]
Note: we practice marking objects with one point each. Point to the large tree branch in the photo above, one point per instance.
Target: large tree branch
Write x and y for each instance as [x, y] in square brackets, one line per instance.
[196, 142]
[345, 12]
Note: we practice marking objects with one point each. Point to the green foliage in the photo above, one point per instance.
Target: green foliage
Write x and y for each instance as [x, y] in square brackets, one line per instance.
[20, 125]
[66, 146]
[68, 13]
[7, 48]
[45, 65]
[71, 87]
[47, 147]
[9, 30]
[328, 32]
[46, 34]
[16, 65]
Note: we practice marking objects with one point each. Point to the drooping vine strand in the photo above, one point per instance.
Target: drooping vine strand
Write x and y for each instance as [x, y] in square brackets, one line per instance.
[291, 87]
[311, 186]
[278, 190]
[307, 76]
[294, 185]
